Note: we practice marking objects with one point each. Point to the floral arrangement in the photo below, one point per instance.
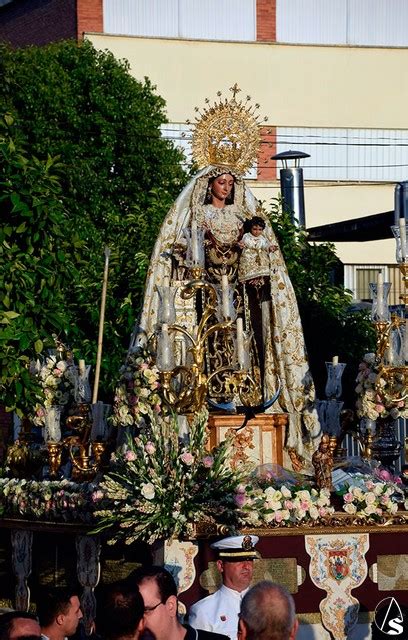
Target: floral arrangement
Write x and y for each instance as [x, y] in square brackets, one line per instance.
[372, 498]
[370, 403]
[58, 378]
[162, 484]
[268, 503]
[55, 500]
[137, 393]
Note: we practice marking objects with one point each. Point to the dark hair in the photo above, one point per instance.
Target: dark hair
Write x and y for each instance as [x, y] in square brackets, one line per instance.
[229, 199]
[268, 612]
[166, 585]
[119, 611]
[256, 220]
[52, 602]
[7, 621]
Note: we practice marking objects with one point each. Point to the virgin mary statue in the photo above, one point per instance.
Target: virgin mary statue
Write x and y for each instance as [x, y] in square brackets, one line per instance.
[209, 219]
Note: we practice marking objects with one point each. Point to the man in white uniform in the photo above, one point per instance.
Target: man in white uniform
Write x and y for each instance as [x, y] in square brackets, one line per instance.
[219, 611]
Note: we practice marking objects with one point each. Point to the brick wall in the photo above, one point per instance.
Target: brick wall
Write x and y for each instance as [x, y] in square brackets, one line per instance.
[266, 20]
[89, 16]
[267, 148]
[37, 22]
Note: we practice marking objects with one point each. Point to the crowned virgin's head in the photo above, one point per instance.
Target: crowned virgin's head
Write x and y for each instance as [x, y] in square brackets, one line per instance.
[220, 191]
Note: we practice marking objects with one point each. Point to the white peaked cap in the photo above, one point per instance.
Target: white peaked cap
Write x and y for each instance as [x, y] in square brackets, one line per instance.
[237, 548]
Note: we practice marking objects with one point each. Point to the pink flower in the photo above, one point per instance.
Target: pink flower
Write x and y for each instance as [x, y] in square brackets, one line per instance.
[278, 516]
[348, 497]
[288, 504]
[157, 408]
[150, 448]
[130, 456]
[187, 458]
[240, 499]
[383, 474]
[208, 462]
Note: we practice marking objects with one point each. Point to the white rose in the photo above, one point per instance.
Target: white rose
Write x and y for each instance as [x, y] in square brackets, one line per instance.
[350, 508]
[147, 490]
[286, 492]
[370, 498]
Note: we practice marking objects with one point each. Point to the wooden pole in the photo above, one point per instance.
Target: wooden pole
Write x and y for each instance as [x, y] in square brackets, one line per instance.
[101, 323]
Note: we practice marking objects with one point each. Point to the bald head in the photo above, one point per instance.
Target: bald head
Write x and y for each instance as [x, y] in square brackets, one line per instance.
[268, 613]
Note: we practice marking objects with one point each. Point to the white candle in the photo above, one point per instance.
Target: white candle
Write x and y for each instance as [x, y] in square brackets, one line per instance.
[380, 295]
[240, 342]
[390, 351]
[165, 363]
[403, 238]
[335, 360]
[194, 241]
[225, 296]
[166, 299]
[81, 367]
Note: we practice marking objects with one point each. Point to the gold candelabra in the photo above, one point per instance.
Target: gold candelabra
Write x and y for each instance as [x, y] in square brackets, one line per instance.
[85, 455]
[186, 386]
[392, 345]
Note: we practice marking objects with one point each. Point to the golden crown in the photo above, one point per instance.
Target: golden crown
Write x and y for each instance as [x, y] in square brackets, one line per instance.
[227, 133]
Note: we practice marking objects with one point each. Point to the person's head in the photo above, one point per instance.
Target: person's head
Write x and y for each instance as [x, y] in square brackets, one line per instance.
[236, 556]
[59, 609]
[267, 613]
[120, 611]
[221, 189]
[256, 226]
[159, 592]
[19, 625]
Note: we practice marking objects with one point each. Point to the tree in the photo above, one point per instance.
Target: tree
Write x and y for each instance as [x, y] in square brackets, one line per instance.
[34, 266]
[119, 178]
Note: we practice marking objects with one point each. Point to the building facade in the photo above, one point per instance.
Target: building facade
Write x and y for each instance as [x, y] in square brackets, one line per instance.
[329, 76]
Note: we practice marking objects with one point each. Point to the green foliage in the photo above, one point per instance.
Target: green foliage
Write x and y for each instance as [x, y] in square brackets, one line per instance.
[119, 178]
[34, 265]
[330, 328]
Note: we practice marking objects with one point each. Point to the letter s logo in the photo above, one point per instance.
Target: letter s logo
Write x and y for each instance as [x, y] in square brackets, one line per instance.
[395, 628]
[388, 617]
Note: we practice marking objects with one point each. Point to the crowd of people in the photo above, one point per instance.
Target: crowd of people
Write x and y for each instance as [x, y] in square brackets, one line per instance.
[145, 606]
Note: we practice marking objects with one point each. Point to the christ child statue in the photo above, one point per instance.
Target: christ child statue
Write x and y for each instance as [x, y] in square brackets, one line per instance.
[254, 262]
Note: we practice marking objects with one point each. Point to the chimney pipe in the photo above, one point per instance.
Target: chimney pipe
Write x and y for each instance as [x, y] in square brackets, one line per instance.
[291, 180]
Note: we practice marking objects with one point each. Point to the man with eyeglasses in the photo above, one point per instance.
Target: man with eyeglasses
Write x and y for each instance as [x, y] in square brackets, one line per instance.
[159, 592]
[219, 611]
[19, 625]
